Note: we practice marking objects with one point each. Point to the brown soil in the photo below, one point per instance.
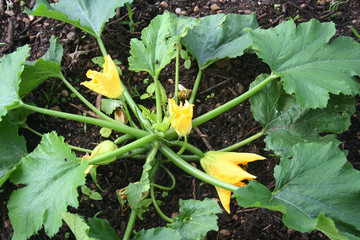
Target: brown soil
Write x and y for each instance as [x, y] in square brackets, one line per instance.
[17, 29]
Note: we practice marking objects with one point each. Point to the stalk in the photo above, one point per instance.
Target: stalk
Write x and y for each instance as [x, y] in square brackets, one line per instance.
[71, 146]
[243, 142]
[189, 147]
[217, 111]
[101, 45]
[196, 86]
[158, 100]
[178, 48]
[136, 144]
[123, 138]
[130, 225]
[126, 94]
[85, 101]
[102, 123]
[194, 171]
[172, 179]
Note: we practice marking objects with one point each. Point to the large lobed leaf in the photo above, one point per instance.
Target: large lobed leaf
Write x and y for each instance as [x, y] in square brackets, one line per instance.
[52, 175]
[77, 225]
[11, 66]
[179, 26]
[196, 218]
[90, 15]
[12, 148]
[286, 123]
[159, 233]
[317, 188]
[155, 50]
[101, 229]
[36, 72]
[309, 66]
[219, 36]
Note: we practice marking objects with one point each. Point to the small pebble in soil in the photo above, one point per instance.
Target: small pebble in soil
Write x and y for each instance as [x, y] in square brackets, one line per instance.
[164, 4]
[177, 10]
[196, 9]
[214, 7]
[224, 233]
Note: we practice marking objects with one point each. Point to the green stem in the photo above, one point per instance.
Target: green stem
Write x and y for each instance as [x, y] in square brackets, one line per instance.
[217, 111]
[189, 147]
[172, 179]
[196, 86]
[190, 158]
[194, 171]
[242, 143]
[152, 195]
[158, 100]
[103, 123]
[126, 94]
[86, 102]
[130, 224]
[80, 149]
[182, 149]
[101, 45]
[132, 124]
[136, 144]
[123, 138]
[72, 147]
[178, 49]
[131, 23]
[135, 109]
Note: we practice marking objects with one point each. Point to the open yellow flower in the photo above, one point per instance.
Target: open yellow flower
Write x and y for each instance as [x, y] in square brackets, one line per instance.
[106, 83]
[182, 117]
[225, 166]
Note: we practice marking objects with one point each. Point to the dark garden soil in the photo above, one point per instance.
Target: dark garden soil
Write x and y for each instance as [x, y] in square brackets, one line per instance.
[221, 82]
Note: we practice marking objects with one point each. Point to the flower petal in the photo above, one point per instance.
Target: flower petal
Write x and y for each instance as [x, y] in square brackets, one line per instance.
[107, 83]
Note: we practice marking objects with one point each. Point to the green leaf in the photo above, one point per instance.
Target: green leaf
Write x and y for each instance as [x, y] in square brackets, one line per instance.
[159, 233]
[135, 194]
[19, 116]
[91, 193]
[179, 26]
[109, 105]
[286, 123]
[219, 36]
[187, 63]
[36, 72]
[90, 16]
[309, 66]
[317, 180]
[164, 125]
[78, 226]
[11, 66]
[155, 51]
[101, 229]
[196, 218]
[51, 174]
[327, 226]
[12, 148]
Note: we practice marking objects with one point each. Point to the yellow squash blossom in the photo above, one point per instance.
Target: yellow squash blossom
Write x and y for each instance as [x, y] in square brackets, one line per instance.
[106, 83]
[182, 117]
[225, 166]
